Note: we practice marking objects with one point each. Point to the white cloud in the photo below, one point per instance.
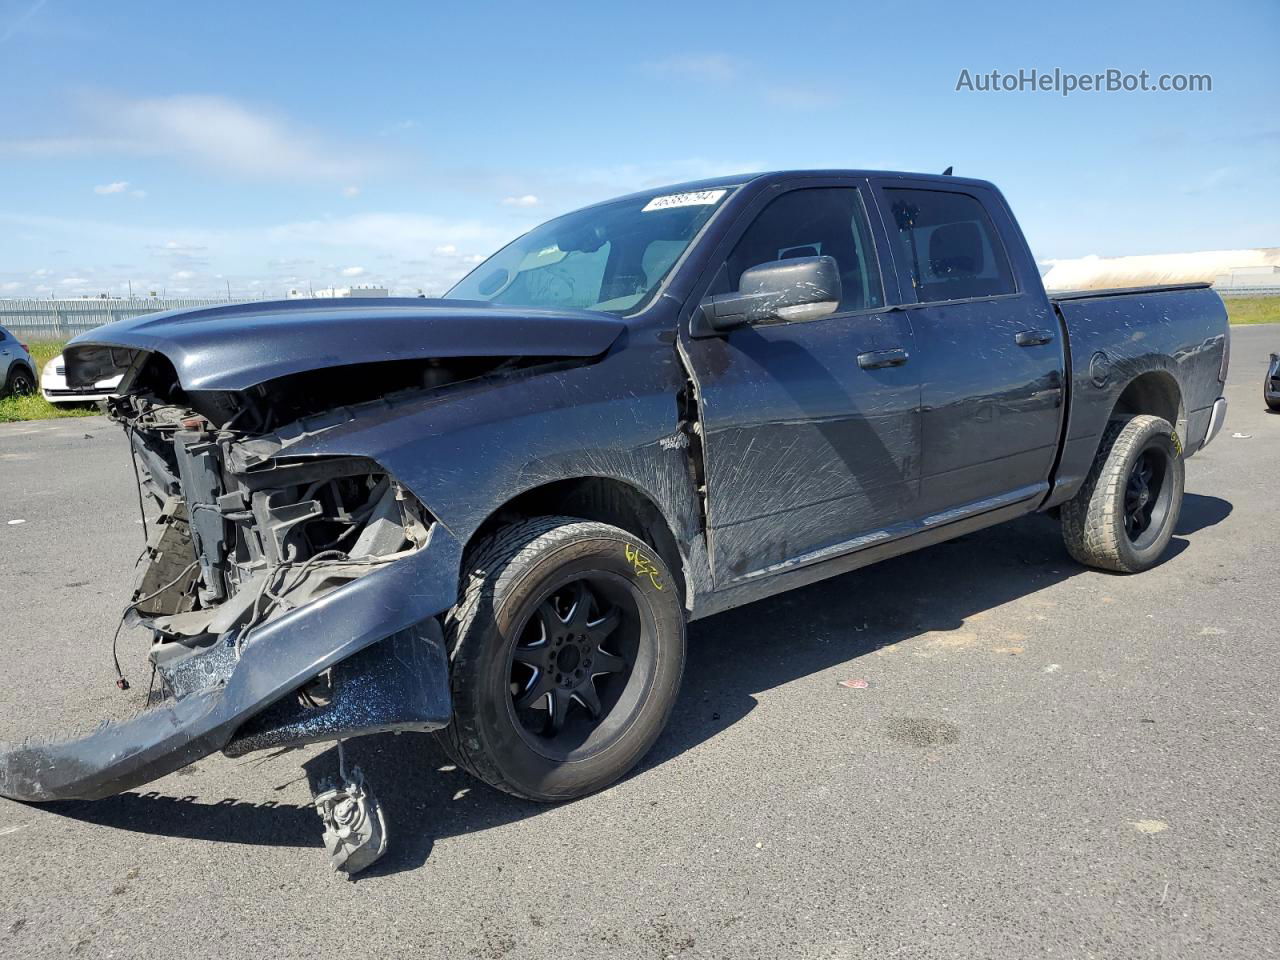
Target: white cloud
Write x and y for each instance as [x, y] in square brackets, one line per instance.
[402, 126]
[792, 97]
[708, 67]
[353, 271]
[223, 133]
[352, 191]
[600, 183]
[527, 200]
[138, 194]
[182, 275]
[211, 131]
[432, 252]
[120, 186]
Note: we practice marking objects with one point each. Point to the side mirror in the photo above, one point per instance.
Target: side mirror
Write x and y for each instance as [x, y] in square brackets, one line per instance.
[793, 291]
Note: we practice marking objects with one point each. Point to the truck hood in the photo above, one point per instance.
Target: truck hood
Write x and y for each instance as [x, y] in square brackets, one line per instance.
[238, 346]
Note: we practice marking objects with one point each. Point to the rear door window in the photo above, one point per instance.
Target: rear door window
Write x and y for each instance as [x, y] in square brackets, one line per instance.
[949, 246]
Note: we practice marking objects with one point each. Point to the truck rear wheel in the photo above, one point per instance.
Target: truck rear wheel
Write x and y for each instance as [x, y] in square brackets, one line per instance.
[566, 647]
[1122, 518]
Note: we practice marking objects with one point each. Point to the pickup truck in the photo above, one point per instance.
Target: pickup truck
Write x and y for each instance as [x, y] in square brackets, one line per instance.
[492, 515]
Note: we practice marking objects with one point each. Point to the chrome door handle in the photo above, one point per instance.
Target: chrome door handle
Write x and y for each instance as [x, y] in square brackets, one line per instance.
[876, 359]
[1033, 338]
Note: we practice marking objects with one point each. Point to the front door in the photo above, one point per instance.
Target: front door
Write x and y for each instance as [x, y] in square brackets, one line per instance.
[811, 431]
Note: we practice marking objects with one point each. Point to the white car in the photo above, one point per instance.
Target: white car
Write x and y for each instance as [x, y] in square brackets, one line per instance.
[53, 384]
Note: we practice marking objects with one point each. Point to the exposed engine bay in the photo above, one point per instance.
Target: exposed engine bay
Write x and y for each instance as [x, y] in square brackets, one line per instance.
[242, 537]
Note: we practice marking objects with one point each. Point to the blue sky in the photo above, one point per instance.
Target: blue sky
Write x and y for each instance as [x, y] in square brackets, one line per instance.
[188, 147]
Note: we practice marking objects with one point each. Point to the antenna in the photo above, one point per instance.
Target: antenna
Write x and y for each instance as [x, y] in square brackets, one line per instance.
[947, 172]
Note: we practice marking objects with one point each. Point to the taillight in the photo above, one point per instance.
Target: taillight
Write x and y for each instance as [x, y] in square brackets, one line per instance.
[1226, 356]
[23, 346]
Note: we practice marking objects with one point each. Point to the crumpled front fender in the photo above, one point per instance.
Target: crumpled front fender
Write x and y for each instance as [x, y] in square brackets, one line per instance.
[282, 655]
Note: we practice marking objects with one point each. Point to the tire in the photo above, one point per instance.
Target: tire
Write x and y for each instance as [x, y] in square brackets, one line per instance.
[21, 382]
[1273, 403]
[1103, 524]
[526, 653]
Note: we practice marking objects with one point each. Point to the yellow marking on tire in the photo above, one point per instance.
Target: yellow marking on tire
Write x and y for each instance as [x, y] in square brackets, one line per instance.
[643, 565]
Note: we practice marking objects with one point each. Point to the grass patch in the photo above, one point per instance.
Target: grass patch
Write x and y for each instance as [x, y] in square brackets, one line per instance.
[1253, 309]
[36, 407]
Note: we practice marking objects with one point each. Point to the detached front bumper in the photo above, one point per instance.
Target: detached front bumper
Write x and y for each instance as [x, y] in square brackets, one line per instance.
[400, 683]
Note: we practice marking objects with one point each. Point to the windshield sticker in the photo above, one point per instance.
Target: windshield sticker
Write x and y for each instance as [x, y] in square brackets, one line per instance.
[694, 199]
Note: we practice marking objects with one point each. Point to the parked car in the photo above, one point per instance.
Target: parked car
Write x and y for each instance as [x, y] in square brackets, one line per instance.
[17, 369]
[492, 515]
[1271, 383]
[53, 384]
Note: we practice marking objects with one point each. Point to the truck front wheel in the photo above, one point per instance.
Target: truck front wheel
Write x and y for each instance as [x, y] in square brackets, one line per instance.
[566, 647]
[1123, 516]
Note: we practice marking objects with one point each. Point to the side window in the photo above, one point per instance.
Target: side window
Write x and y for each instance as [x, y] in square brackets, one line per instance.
[822, 221]
[949, 245]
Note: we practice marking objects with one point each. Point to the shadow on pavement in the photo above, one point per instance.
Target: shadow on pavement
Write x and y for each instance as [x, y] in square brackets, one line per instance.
[1199, 512]
[732, 657]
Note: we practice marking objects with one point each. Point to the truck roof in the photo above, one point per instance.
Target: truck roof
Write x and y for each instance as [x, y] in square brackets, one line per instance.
[741, 179]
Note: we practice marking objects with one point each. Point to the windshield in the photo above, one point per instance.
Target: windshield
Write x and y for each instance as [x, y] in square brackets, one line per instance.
[611, 257]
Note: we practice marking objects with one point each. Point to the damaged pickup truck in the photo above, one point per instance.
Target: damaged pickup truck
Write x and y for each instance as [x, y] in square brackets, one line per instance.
[492, 515]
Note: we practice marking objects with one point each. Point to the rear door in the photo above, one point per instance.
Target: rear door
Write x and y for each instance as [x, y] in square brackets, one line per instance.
[810, 430]
[989, 351]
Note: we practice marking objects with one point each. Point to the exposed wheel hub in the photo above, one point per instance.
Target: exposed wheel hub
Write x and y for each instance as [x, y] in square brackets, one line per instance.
[568, 658]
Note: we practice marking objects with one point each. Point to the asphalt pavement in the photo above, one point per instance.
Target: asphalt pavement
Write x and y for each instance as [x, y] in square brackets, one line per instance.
[1033, 759]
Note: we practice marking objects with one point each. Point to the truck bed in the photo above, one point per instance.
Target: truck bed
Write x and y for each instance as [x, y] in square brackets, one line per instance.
[1170, 339]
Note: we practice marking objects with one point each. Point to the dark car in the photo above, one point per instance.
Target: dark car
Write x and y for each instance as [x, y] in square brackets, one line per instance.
[17, 369]
[1271, 383]
[492, 515]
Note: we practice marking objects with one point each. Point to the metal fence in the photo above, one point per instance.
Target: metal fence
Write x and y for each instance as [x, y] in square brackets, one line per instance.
[62, 319]
[1243, 291]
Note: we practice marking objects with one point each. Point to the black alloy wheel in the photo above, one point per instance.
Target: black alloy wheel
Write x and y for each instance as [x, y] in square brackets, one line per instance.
[572, 660]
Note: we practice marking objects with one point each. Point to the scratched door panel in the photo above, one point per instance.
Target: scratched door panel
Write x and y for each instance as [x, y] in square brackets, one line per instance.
[804, 448]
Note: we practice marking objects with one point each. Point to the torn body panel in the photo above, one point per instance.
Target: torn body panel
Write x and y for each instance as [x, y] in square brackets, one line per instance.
[262, 586]
[218, 692]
